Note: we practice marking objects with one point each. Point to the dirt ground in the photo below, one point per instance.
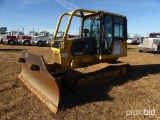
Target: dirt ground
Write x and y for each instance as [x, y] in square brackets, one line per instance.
[128, 98]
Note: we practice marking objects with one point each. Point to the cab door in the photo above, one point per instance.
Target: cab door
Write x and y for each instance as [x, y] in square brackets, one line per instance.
[114, 34]
[107, 38]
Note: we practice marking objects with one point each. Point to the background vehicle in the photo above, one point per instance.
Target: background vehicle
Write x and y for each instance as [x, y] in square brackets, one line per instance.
[59, 37]
[2, 32]
[41, 39]
[139, 41]
[26, 39]
[50, 38]
[131, 41]
[16, 37]
[11, 37]
[150, 44]
[33, 33]
[79, 63]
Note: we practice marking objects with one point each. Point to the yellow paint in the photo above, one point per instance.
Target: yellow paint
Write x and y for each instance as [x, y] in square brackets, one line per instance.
[62, 55]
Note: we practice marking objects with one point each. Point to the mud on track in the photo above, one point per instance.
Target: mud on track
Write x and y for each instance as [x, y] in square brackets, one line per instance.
[139, 91]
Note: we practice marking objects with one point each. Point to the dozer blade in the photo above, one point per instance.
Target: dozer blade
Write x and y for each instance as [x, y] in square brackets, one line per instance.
[36, 77]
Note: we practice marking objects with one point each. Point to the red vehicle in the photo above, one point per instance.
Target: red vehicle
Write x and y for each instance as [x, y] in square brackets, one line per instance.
[16, 37]
[11, 37]
[24, 39]
[158, 48]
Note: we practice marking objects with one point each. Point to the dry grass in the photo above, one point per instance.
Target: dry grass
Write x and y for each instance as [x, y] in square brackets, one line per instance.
[139, 91]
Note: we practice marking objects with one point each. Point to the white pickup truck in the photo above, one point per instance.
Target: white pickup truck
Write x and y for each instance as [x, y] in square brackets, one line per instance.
[131, 41]
[150, 44]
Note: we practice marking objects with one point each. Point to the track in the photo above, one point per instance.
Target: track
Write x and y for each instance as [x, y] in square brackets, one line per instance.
[81, 78]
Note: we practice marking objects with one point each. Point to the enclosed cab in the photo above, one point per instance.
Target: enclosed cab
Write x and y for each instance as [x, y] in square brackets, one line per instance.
[150, 44]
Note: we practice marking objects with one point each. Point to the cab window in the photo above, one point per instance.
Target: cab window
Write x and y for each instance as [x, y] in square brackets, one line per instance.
[119, 27]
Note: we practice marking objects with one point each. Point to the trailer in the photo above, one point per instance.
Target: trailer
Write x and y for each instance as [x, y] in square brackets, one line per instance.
[2, 32]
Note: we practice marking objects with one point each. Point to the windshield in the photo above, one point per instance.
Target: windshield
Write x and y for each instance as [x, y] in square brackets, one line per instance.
[92, 23]
[59, 34]
[154, 35]
[33, 34]
[42, 34]
[156, 42]
[8, 33]
[19, 33]
[92, 28]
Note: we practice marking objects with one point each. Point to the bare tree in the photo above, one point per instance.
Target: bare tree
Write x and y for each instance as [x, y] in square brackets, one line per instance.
[136, 36]
[128, 35]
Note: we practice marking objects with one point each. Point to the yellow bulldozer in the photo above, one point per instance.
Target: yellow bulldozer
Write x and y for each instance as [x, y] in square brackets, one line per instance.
[80, 62]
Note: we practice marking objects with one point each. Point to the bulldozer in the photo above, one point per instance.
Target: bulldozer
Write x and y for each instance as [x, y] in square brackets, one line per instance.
[82, 62]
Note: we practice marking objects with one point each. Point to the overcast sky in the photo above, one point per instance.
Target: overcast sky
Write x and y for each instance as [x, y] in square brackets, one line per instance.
[143, 15]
